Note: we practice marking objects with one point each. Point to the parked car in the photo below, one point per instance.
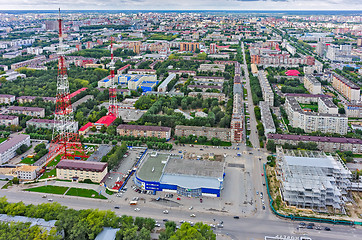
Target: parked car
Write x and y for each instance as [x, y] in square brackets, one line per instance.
[192, 215]
[200, 200]
[165, 212]
[116, 207]
[137, 209]
[327, 229]
[236, 217]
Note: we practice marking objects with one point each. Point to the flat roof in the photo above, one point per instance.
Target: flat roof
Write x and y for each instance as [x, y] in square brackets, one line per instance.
[323, 162]
[143, 128]
[152, 167]
[187, 167]
[13, 140]
[82, 165]
[31, 109]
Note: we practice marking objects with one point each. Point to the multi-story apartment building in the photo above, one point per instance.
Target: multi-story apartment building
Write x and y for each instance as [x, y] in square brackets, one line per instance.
[29, 111]
[9, 120]
[315, 121]
[346, 87]
[237, 118]
[163, 86]
[312, 84]
[219, 96]
[144, 131]
[9, 147]
[223, 134]
[26, 99]
[266, 118]
[213, 48]
[327, 144]
[326, 105]
[268, 94]
[80, 170]
[189, 46]
[211, 68]
[6, 98]
[353, 109]
[141, 71]
[47, 123]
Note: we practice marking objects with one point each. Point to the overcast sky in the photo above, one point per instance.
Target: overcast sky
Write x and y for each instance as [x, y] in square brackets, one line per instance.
[181, 4]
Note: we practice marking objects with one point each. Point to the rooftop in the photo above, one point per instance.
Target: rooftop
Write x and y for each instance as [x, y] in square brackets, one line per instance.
[152, 167]
[82, 165]
[31, 109]
[13, 140]
[143, 128]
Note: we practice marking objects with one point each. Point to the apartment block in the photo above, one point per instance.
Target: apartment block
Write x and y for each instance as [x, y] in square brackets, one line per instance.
[223, 134]
[266, 118]
[346, 87]
[268, 94]
[7, 99]
[312, 84]
[315, 121]
[80, 170]
[219, 96]
[9, 120]
[327, 144]
[26, 99]
[9, 147]
[163, 86]
[211, 68]
[48, 124]
[29, 111]
[189, 46]
[144, 131]
[353, 109]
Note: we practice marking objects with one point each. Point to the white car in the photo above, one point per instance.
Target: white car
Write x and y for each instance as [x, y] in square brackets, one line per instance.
[190, 208]
[137, 209]
[165, 212]
[192, 215]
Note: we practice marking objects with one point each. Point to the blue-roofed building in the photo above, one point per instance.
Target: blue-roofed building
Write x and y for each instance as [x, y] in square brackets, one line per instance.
[107, 234]
[191, 178]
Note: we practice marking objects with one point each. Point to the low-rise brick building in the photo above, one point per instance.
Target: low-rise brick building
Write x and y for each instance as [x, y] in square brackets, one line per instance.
[144, 131]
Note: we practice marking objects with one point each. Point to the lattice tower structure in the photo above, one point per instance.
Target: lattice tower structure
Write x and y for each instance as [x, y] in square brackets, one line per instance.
[113, 106]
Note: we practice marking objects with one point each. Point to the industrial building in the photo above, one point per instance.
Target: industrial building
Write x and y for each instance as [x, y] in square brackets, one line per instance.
[312, 179]
[8, 148]
[190, 178]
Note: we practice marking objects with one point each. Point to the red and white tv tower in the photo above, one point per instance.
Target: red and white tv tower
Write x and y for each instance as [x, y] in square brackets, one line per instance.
[65, 136]
[113, 107]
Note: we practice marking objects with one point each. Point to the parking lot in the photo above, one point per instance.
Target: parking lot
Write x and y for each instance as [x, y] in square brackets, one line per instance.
[237, 196]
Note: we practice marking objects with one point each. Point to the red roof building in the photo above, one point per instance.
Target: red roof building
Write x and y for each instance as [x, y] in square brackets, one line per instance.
[292, 73]
[106, 120]
[83, 130]
[77, 92]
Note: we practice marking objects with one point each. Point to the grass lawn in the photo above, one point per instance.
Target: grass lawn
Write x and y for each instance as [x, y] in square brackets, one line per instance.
[48, 189]
[49, 174]
[27, 161]
[55, 161]
[313, 107]
[357, 156]
[2, 139]
[81, 192]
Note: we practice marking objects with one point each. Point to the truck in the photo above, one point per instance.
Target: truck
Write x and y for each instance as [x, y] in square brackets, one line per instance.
[133, 203]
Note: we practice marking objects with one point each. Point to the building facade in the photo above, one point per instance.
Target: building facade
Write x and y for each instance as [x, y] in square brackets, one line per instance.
[80, 170]
[144, 131]
[9, 120]
[312, 84]
[346, 87]
[7, 99]
[268, 94]
[189, 46]
[29, 111]
[223, 134]
[9, 147]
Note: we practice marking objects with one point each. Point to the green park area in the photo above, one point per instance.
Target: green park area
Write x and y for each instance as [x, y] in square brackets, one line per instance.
[48, 189]
[28, 161]
[49, 173]
[2, 139]
[81, 192]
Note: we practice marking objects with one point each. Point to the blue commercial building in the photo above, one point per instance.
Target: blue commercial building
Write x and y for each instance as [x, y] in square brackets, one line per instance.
[191, 178]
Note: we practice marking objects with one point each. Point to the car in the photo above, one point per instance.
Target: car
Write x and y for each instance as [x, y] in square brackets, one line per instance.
[318, 228]
[165, 212]
[262, 174]
[178, 198]
[200, 200]
[191, 207]
[327, 229]
[220, 226]
[212, 226]
[236, 217]
[302, 224]
[165, 220]
[182, 221]
[192, 215]
[263, 207]
[309, 227]
[50, 200]
[137, 209]
[116, 207]
[257, 193]
[311, 224]
[157, 225]
[201, 149]
[44, 196]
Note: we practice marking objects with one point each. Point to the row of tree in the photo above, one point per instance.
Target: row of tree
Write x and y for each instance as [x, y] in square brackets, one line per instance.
[114, 157]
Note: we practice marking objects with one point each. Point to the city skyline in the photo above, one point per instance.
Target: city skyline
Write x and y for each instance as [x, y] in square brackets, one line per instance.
[296, 5]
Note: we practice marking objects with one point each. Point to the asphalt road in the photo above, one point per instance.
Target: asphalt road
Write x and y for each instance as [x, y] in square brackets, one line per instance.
[244, 228]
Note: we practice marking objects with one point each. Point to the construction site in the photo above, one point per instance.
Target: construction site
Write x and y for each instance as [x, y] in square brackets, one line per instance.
[311, 183]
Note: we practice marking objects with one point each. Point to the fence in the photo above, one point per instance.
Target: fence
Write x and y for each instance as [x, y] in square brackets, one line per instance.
[299, 218]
